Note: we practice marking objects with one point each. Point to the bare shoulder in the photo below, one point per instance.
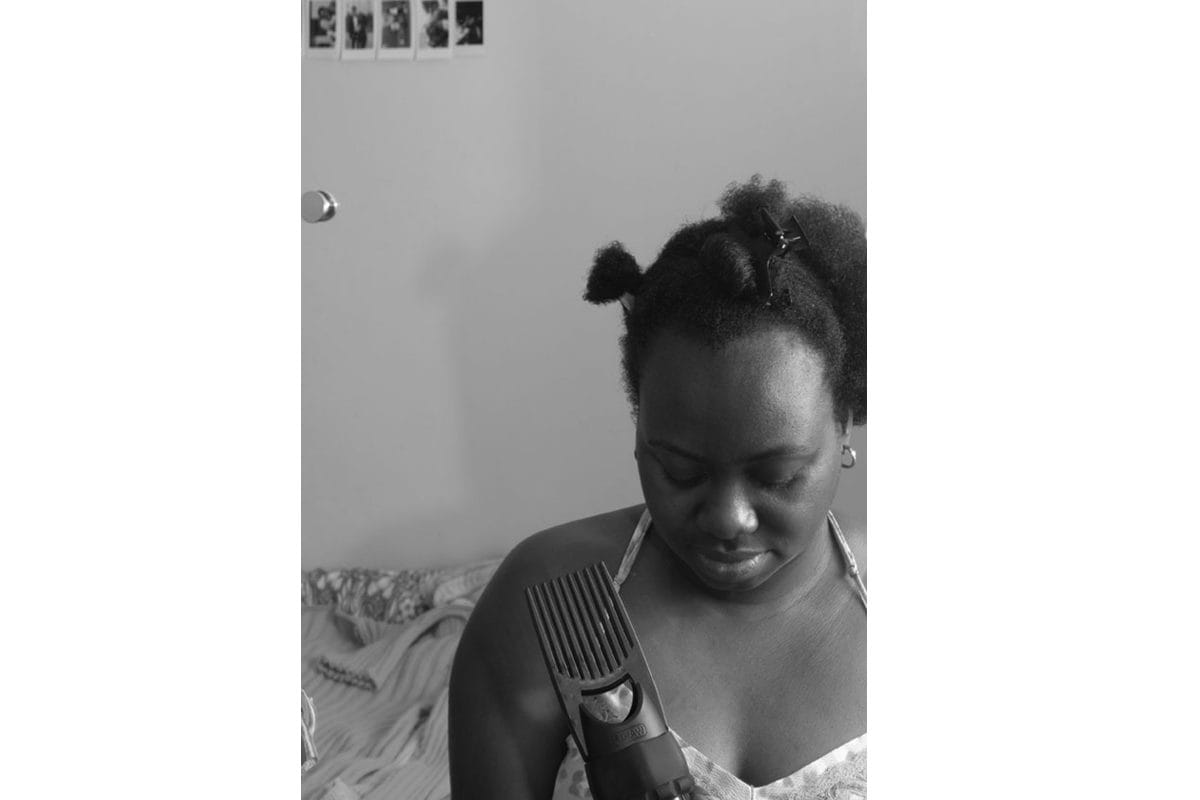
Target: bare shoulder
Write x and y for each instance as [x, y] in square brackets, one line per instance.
[574, 545]
[505, 720]
[545, 555]
[500, 626]
[553, 552]
[853, 523]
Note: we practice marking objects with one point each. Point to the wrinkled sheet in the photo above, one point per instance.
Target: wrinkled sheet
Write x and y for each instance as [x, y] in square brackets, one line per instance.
[380, 692]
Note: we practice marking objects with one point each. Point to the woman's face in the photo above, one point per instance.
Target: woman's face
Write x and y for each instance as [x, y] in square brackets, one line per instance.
[739, 453]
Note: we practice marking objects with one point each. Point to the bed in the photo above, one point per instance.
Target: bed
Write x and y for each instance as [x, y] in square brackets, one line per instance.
[376, 650]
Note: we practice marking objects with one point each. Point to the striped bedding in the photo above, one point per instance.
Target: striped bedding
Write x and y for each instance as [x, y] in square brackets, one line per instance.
[376, 667]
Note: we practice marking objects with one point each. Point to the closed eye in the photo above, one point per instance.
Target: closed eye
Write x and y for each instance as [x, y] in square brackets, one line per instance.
[679, 477]
[683, 481]
[790, 481]
[787, 483]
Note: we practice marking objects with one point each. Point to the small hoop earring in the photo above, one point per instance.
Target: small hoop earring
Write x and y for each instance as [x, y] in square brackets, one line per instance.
[853, 456]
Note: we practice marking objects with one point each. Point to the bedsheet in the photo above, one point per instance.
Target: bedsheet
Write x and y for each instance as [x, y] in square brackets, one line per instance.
[381, 690]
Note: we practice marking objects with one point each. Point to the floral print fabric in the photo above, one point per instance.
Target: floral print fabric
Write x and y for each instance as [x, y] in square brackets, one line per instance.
[838, 775]
[394, 596]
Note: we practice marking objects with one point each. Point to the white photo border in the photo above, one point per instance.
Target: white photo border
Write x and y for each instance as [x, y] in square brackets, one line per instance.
[396, 53]
[367, 53]
[327, 53]
[471, 49]
[432, 53]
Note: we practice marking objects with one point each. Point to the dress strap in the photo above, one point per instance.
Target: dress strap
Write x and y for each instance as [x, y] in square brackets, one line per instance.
[848, 557]
[631, 551]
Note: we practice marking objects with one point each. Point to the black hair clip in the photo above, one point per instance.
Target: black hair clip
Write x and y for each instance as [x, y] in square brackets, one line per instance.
[784, 243]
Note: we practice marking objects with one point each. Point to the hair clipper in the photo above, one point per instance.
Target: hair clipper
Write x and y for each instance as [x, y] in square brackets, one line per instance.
[591, 649]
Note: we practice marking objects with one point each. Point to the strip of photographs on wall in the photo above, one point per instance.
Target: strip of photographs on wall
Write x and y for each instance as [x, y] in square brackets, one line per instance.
[365, 30]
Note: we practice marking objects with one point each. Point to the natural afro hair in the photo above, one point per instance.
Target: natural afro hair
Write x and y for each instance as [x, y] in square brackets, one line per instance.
[614, 275]
[705, 284]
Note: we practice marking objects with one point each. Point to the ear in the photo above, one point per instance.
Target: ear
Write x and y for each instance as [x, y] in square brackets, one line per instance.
[844, 432]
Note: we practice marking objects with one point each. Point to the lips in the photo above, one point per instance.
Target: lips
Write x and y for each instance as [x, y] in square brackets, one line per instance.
[730, 568]
[730, 556]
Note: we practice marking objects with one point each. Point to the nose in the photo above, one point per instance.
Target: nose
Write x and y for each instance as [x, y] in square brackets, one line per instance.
[727, 514]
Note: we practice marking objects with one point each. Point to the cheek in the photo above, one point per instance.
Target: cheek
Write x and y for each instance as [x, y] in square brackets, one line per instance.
[800, 516]
[817, 493]
[825, 481]
[667, 505]
[792, 516]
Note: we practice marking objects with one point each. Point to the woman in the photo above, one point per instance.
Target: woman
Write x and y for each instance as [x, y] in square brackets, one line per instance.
[745, 363]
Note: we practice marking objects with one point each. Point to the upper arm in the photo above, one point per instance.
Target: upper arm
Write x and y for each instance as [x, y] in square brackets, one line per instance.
[507, 730]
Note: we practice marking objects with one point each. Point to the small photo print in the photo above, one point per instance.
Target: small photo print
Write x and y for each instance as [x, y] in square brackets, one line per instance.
[468, 27]
[395, 29]
[433, 28]
[321, 28]
[358, 29]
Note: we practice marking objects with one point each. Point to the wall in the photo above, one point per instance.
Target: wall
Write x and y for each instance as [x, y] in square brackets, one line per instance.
[457, 393]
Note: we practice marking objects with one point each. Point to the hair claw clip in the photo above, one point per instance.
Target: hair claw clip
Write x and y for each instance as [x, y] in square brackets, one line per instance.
[784, 243]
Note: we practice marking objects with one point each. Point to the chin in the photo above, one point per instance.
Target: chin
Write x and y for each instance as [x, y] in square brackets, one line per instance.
[729, 588]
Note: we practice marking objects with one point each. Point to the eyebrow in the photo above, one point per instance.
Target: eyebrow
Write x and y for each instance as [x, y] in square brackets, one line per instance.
[782, 451]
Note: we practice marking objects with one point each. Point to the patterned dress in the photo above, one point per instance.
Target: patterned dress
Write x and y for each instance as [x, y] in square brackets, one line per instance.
[840, 774]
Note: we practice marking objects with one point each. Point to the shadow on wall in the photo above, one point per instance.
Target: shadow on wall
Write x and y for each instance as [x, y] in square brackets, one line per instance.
[526, 361]
[524, 407]
[459, 394]
[544, 421]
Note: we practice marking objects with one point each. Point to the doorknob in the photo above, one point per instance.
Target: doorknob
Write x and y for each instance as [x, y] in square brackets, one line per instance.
[317, 206]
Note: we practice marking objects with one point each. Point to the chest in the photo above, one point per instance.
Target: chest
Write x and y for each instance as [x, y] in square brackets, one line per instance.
[765, 700]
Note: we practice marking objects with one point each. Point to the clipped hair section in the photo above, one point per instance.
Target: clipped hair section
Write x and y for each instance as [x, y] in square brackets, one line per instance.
[742, 204]
[837, 237]
[768, 259]
[836, 256]
[614, 274]
[728, 263]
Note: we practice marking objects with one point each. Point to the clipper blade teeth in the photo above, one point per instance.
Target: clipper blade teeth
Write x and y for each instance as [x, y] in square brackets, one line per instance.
[582, 624]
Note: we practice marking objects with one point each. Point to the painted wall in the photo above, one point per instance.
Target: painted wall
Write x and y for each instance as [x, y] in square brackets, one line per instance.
[458, 394]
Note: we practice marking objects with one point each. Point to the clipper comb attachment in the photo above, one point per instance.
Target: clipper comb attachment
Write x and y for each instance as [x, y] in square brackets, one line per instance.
[590, 648]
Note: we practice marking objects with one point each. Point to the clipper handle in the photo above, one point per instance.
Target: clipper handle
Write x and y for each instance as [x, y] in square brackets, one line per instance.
[654, 769]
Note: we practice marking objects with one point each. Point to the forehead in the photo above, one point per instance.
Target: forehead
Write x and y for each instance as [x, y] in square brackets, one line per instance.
[761, 390]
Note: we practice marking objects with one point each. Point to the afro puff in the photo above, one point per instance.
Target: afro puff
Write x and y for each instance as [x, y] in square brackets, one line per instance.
[614, 274]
